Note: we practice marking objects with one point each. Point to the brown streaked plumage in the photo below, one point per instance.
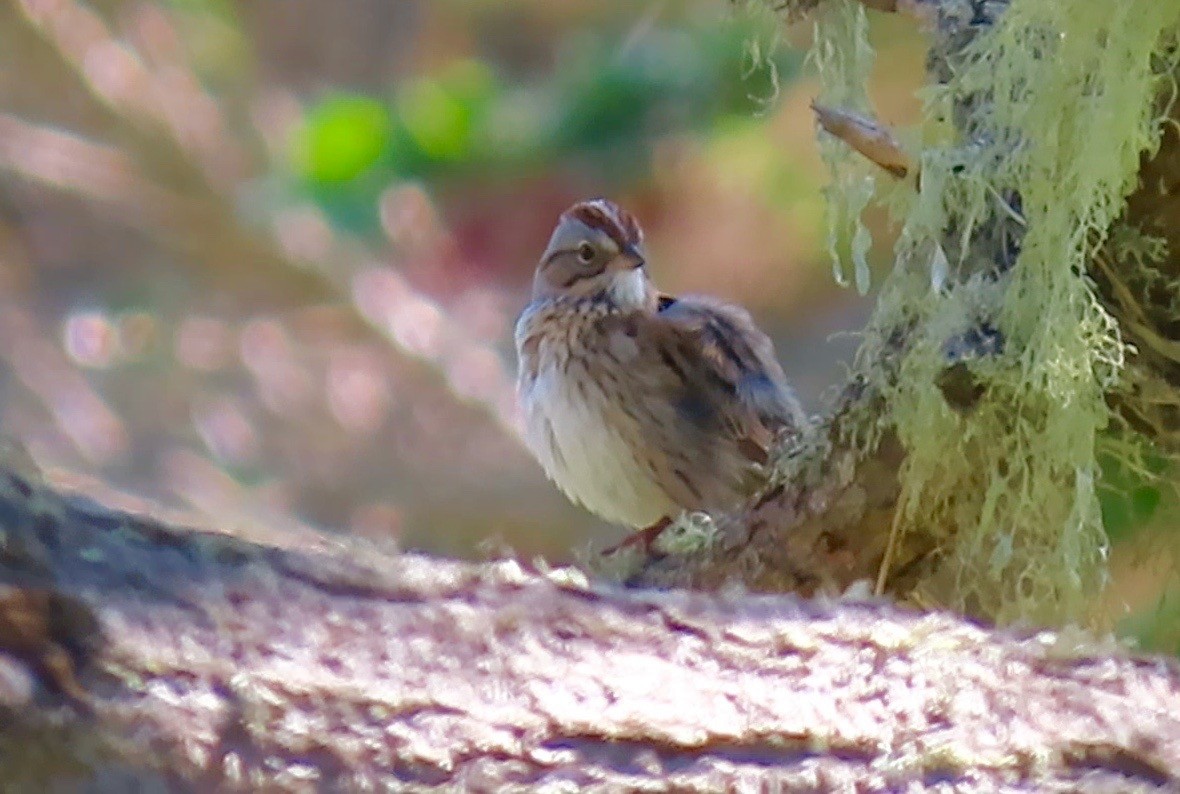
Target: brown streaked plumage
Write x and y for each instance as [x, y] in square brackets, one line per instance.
[640, 405]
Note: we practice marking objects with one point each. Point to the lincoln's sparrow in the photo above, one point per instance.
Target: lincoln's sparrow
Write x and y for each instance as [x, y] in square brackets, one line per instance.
[637, 404]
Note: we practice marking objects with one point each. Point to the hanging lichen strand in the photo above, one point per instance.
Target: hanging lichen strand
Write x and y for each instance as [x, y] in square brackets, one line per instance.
[1055, 106]
[844, 58]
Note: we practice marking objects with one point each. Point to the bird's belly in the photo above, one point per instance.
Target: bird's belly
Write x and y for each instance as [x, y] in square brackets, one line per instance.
[588, 447]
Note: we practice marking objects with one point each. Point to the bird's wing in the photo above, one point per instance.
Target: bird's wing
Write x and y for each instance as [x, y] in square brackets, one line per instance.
[730, 366]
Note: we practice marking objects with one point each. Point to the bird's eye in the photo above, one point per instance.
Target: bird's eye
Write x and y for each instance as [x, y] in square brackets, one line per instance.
[586, 253]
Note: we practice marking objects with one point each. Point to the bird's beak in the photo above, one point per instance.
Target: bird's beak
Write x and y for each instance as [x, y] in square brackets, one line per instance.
[631, 258]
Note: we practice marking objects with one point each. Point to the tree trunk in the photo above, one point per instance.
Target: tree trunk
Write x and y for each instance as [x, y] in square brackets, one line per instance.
[833, 518]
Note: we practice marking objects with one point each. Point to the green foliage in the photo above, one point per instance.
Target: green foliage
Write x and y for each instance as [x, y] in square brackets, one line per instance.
[445, 118]
[1157, 629]
[343, 137]
[675, 78]
[1130, 490]
[604, 106]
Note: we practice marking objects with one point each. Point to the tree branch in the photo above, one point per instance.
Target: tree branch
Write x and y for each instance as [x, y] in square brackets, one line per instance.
[830, 521]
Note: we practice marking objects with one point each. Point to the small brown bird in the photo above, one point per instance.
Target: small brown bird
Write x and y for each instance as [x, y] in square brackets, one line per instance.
[640, 405]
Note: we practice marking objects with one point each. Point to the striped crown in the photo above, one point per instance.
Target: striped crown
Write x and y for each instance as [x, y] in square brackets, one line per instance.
[605, 215]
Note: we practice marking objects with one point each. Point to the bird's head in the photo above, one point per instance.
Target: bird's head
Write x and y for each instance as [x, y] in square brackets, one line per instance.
[596, 251]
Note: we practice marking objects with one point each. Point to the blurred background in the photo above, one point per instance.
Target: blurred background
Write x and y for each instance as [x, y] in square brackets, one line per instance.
[260, 261]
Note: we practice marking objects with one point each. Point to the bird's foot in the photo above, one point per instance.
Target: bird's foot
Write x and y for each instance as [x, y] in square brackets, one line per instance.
[646, 536]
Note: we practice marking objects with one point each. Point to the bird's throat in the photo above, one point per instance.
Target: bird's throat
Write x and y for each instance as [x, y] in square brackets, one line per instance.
[630, 289]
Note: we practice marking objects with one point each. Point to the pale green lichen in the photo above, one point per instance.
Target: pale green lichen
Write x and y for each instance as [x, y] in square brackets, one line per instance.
[843, 58]
[1035, 139]
[1029, 149]
[1061, 107]
[690, 533]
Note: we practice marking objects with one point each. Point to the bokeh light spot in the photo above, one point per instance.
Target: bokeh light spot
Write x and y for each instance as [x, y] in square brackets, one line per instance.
[90, 339]
[226, 431]
[203, 343]
[359, 394]
[267, 351]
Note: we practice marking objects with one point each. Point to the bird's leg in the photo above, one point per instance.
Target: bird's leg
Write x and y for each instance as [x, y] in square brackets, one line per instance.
[647, 536]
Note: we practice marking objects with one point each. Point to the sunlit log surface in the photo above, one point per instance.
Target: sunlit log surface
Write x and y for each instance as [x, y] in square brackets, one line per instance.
[133, 651]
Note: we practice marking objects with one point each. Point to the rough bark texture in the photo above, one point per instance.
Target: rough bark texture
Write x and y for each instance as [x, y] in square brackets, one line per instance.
[136, 653]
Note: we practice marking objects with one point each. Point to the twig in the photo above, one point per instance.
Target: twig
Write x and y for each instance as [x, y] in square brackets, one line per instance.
[867, 136]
